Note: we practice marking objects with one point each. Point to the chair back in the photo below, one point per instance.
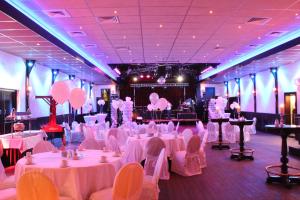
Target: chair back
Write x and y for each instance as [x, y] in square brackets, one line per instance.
[90, 143]
[204, 140]
[158, 166]
[171, 126]
[128, 182]
[187, 134]
[177, 127]
[36, 186]
[154, 146]
[211, 128]
[193, 144]
[43, 146]
[112, 144]
[133, 152]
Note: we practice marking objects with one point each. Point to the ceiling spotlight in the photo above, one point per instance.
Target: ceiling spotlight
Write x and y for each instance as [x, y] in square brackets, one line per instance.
[38, 44]
[157, 45]
[55, 71]
[124, 37]
[115, 12]
[259, 37]
[141, 76]
[179, 78]
[194, 36]
[135, 79]
[30, 63]
[160, 26]
[148, 76]
[211, 12]
[239, 27]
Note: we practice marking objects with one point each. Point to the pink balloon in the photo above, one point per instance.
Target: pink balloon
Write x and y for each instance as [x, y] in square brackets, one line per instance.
[60, 91]
[77, 98]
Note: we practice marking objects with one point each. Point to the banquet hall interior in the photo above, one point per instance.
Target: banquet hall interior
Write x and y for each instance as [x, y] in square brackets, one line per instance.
[149, 99]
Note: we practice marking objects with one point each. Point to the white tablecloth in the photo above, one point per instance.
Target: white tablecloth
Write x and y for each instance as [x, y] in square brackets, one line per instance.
[101, 118]
[90, 119]
[23, 141]
[81, 178]
[173, 144]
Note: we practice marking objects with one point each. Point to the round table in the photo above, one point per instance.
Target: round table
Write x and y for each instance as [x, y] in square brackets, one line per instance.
[173, 144]
[242, 153]
[220, 144]
[81, 178]
[283, 176]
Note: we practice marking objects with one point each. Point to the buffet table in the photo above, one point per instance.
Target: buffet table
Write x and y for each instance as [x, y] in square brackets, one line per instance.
[80, 178]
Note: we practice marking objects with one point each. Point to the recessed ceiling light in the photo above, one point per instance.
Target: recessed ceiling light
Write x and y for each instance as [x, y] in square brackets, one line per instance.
[160, 26]
[239, 27]
[64, 58]
[80, 27]
[259, 37]
[211, 12]
[38, 44]
[115, 12]
[218, 45]
[184, 51]
[157, 45]
[296, 14]
[194, 36]
[124, 37]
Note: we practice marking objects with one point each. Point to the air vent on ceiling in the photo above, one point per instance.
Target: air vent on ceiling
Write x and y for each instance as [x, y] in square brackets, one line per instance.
[258, 20]
[87, 46]
[109, 20]
[77, 33]
[276, 33]
[57, 13]
[122, 48]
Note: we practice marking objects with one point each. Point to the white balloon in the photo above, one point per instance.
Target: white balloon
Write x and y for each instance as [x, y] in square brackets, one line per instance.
[162, 104]
[153, 98]
[149, 107]
[60, 91]
[128, 98]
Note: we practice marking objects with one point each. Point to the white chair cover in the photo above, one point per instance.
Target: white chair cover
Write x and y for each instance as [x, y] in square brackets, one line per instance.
[171, 126]
[119, 134]
[200, 129]
[247, 133]
[177, 127]
[112, 144]
[150, 189]
[212, 132]
[91, 143]
[88, 132]
[127, 185]
[187, 134]
[253, 126]
[188, 163]
[202, 151]
[133, 152]
[8, 194]
[153, 148]
[229, 133]
[43, 146]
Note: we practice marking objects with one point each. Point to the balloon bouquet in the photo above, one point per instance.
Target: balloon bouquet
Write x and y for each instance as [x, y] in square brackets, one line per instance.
[156, 104]
[101, 103]
[121, 111]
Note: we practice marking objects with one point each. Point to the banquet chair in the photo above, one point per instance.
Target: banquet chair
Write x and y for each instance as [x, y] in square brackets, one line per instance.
[120, 135]
[253, 126]
[247, 133]
[43, 146]
[133, 152]
[153, 148]
[200, 129]
[88, 132]
[150, 189]
[127, 185]
[171, 126]
[212, 132]
[187, 134]
[203, 163]
[188, 163]
[34, 185]
[6, 182]
[91, 143]
[229, 133]
[113, 144]
[177, 127]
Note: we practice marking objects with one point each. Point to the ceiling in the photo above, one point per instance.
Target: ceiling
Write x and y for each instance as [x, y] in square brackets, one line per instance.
[183, 31]
[282, 58]
[21, 41]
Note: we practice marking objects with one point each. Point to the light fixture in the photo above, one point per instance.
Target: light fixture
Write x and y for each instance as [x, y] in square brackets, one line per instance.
[180, 78]
[38, 44]
[207, 69]
[161, 80]
[30, 63]
[252, 76]
[194, 36]
[117, 70]
[55, 71]
[273, 70]
[239, 27]
[237, 80]
[160, 26]
[148, 76]
[226, 82]
[157, 45]
[135, 79]
[72, 77]
[211, 12]
[141, 76]
[115, 12]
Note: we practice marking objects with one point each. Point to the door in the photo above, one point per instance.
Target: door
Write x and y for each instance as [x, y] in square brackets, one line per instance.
[8, 101]
[290, 105]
